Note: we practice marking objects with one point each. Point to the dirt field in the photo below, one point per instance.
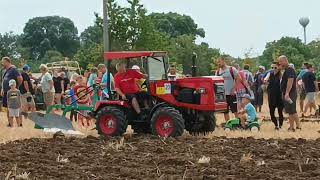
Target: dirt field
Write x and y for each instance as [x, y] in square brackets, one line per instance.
[268, 154]
[152, 158]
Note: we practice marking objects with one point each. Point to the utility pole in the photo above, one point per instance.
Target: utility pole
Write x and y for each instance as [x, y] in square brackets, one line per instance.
[105, 27]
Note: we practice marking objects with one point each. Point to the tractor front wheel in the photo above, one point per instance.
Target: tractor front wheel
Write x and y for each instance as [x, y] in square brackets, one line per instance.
[111, 121]
[167, 122]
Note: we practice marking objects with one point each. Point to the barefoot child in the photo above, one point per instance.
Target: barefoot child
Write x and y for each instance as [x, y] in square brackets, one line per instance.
[14, 103]
[249, 113]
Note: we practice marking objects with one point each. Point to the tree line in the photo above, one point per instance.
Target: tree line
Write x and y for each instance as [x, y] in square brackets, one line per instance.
[52, 38]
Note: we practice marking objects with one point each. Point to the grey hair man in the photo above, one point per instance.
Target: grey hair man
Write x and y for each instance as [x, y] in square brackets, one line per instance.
[289, 92]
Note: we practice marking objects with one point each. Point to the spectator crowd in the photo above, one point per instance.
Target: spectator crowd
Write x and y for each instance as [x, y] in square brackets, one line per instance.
[244, 90]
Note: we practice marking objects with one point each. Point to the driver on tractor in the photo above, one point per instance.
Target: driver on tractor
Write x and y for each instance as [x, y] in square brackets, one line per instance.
[127, 88]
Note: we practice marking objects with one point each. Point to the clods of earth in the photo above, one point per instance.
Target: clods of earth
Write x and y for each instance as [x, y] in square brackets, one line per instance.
[144, 157]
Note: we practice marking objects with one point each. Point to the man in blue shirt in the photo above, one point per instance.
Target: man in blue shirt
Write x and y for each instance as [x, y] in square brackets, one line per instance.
[103, 69]
[10, 73]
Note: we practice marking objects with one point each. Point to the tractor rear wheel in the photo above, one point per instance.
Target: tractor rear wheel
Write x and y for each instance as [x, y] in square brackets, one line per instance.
[111, 121]
[167, 122]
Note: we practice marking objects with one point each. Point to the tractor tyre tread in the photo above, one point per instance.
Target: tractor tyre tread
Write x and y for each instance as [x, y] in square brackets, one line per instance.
[176, 117]
[118, 114]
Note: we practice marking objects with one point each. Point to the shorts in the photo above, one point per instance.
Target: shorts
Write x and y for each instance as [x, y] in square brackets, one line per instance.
[48, 98]
[231, 103]
[14, 112]
[302, 94]
[27, 101]
[240, 94]
[291, 109]
[311, 97]
[138, 96]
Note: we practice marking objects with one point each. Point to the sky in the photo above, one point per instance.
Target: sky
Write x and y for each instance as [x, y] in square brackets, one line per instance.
[233, 26]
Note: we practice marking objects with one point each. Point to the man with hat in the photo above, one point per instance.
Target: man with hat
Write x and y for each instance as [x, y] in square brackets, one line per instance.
[27, 91]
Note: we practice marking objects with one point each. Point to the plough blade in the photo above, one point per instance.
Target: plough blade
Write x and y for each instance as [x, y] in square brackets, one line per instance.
[51, 121]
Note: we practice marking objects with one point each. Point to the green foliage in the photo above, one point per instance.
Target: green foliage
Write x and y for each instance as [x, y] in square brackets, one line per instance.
[50, 33]
[293, 48]
[175, 24]
[9, 45]
[90, 55]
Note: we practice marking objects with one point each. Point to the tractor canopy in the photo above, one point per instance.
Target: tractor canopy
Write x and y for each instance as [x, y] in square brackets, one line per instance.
[108, 56]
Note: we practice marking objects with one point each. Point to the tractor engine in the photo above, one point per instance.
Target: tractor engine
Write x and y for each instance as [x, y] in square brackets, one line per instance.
[197, 99]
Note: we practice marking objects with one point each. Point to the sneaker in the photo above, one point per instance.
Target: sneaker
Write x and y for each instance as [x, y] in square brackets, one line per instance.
[20, 125]
[277, 128]
[9, 125]
[299, 128]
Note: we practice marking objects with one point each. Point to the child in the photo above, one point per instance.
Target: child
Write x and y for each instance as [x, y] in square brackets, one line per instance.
[249, 113]
[73, 113]
[82, 95]
[14, 103]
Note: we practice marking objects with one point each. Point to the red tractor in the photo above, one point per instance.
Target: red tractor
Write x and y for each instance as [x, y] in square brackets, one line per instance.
[188, 103]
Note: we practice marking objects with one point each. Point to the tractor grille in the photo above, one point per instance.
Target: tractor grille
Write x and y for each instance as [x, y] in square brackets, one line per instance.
[219, 92]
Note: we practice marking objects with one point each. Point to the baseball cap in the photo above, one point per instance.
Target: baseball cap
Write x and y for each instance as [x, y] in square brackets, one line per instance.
[26, 67]
[135, 67]
[247, 96]
[12, 82]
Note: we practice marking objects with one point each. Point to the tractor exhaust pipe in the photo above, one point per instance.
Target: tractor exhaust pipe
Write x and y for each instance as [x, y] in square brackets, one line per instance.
[194, 66]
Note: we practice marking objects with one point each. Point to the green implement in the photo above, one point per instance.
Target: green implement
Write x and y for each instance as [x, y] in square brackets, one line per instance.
[235, 124]
[51, 120]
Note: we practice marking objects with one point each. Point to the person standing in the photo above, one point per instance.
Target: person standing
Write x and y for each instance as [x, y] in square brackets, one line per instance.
[27, 92]
[14, 103]
[230, 75]
[248, 75]
[173, 75]
[58, 84]
[47, 86]
[258, 89]
[104, 81]
[10, 73]
[300, 88]
[311, 88]
[274, 95]
[289, 92]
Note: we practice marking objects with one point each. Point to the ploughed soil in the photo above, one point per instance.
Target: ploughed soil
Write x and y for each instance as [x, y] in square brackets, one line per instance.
[147, 157]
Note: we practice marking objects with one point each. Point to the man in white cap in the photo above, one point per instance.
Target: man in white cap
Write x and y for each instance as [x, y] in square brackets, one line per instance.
[141, 82]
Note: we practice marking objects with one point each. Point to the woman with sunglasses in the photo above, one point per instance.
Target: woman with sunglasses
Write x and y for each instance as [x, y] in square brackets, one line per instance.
[274, 95]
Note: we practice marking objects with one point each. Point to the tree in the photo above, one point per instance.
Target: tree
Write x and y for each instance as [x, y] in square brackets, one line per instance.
[175, 24]
[9, 45]
[293, 48]
[50, 33]
[91, 55]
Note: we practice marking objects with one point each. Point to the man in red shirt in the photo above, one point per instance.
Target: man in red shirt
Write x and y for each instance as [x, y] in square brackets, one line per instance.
[127, 88]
